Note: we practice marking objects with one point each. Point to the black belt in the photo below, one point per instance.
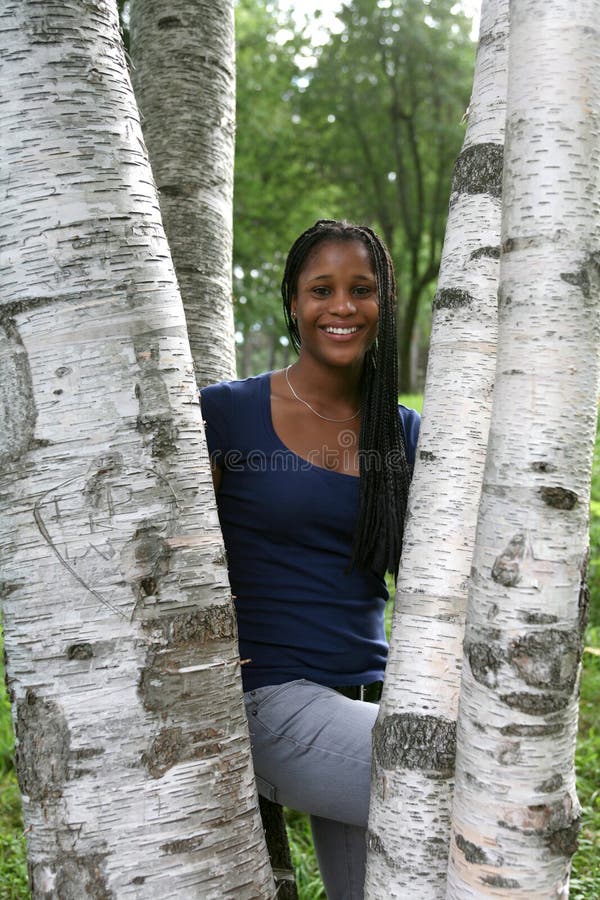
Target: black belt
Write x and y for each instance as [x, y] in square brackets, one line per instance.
[369, 693]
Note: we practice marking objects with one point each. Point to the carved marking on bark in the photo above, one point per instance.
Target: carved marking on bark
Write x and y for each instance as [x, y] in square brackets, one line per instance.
[451, 298]
[506, 568]
[491, 252]
[43, 743]
[559, 498]
[415, 742]
[104, 467]
[478, 170]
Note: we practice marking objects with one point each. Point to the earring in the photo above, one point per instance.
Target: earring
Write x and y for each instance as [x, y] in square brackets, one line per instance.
[293, 314]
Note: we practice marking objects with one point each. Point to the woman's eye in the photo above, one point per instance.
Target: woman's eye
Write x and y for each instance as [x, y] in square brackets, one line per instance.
[321, 291]
[362, 290]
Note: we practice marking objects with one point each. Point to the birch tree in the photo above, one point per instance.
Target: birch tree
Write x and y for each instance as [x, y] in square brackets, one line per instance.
[132, 747]
[515, 817]
[184, 80]
[414, 737]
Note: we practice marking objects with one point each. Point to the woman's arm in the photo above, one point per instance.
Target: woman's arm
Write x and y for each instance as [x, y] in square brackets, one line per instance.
[217, 472]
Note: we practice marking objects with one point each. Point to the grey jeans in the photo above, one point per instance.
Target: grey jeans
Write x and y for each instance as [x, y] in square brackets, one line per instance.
[312, 752]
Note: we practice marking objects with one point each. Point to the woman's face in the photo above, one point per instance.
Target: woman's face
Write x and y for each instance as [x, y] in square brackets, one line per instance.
[336, 303]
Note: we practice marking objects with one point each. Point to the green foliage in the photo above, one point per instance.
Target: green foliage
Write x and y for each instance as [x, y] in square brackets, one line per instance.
[363, 127]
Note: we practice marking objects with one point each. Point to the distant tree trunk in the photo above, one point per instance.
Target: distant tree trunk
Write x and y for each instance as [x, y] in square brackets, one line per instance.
[184, 80]
[132, 745]
[516, 813]
[414, 737]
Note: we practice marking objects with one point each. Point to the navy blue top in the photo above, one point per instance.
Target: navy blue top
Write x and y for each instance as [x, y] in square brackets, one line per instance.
[288, 527]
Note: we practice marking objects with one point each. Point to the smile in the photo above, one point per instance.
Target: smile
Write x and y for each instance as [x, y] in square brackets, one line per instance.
[331, 330]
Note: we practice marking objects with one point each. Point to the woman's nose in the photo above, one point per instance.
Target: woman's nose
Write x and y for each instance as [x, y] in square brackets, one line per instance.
[342, 303]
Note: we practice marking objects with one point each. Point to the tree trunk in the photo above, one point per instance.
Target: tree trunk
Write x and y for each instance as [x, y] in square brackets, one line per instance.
[516, 813]
[414, 737]
[132, 745]
[184, 79]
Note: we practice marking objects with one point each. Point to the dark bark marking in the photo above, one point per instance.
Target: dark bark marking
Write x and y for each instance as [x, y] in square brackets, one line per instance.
[168, 22]
[543, 466]
[147, 555]
[535, 704]
[7, 588]
[178, 639]
[88, 753]
[104, 468]
[557, 823]
[139, 879]
[80, 651]
[500, 881]
[411, 741]
[563, 841]
[197, 627]
[478, 170]
[76, 874]
[559, 498]
[492, 252]
[155, 418]
[62, 371]
[375, 844]
[515, 730]
[485, 660]
[471, 852]
[547, 659]
[43, 744]
[506, 568]
[451, 298]
[173, 746]
[427, 455]
[183, 845]
[550, 784]
[17, 409]
[584, 594]
[531, 618]
[587, 277]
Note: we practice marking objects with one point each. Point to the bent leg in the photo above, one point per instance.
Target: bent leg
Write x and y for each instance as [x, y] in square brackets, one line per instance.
[312, 752]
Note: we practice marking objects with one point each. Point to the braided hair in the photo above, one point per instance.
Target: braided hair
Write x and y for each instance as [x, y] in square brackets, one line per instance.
[383, 467]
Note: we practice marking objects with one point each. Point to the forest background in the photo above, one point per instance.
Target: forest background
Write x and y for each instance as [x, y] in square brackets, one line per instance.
[363, 123]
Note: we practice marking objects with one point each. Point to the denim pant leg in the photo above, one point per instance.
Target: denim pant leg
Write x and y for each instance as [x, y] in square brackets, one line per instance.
[312, 752]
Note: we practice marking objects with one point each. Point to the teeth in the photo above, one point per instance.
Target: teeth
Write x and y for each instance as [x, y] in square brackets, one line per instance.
[332, 330]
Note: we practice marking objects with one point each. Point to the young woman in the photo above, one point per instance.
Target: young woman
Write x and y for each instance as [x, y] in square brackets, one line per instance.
[311, 467]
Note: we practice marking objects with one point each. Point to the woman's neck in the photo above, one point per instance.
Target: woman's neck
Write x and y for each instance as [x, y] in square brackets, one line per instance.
[315, 381]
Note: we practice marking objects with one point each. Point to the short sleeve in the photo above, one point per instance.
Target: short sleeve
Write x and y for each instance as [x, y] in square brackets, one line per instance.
[216, 402]
[411, 422]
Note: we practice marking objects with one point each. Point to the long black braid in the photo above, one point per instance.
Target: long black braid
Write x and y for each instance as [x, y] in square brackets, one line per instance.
[383, 467]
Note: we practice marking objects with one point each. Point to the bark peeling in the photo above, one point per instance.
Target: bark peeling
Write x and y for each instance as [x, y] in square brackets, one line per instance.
[43, 745]
[414, 741]
[547, 659]
[155, 418]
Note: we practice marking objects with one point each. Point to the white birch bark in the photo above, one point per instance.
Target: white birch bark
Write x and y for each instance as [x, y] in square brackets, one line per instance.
[184, 78]
[132, 746]
[414, 737]
[515, 816]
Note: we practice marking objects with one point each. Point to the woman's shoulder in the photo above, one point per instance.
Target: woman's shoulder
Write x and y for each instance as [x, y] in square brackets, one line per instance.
[239, 387]
[411, 421]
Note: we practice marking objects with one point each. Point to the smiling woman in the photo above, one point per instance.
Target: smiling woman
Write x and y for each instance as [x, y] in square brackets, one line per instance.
[312, 466]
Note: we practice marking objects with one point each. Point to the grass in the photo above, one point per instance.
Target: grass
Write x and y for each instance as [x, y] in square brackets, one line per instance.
[585, 879]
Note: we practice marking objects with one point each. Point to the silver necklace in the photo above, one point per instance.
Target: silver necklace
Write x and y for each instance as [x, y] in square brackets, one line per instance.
[312, 409]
